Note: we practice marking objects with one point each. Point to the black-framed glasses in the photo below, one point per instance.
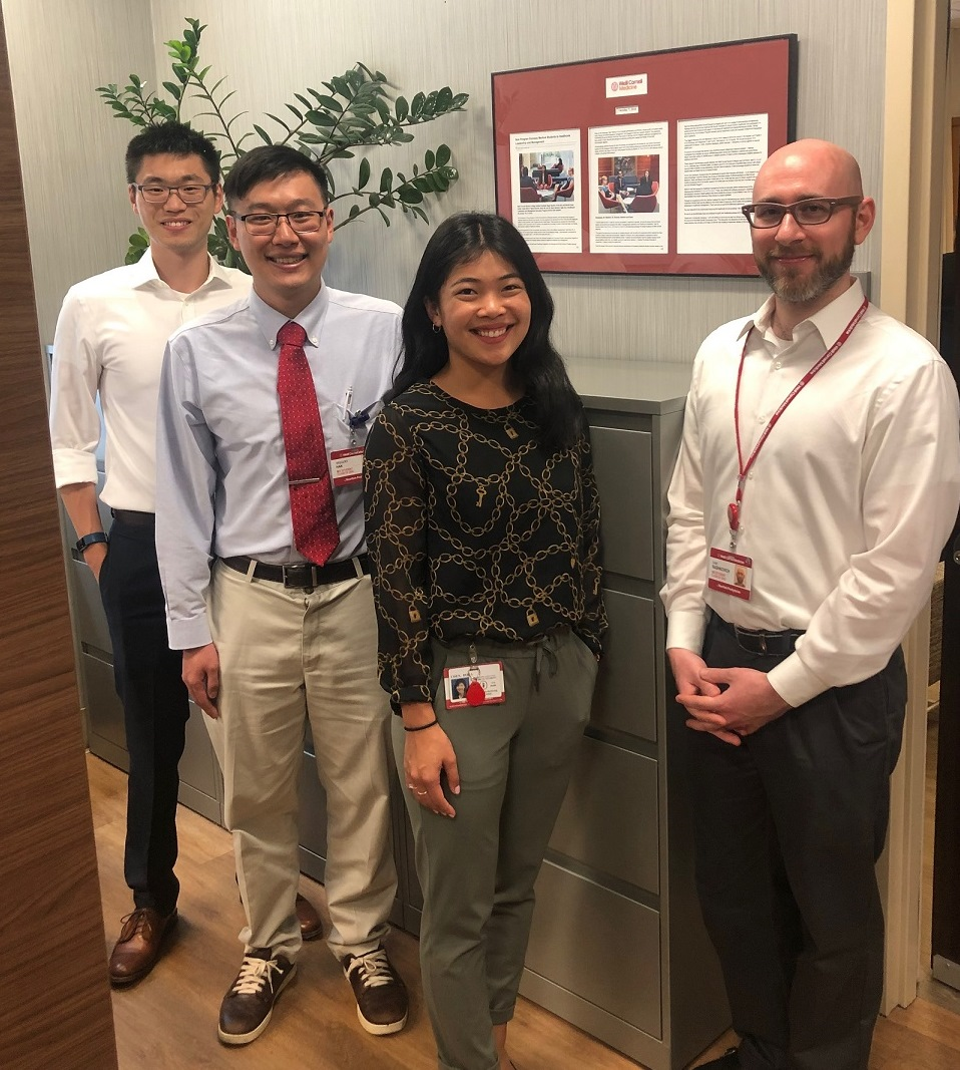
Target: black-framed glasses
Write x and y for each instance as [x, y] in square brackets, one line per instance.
[808, 213]
[267, 222]
[189, 192]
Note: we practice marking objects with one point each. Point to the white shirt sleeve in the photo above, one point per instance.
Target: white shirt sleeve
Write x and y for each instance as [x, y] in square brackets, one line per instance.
[74, 378]
[910, 492]
[186, 484]
[682, 594]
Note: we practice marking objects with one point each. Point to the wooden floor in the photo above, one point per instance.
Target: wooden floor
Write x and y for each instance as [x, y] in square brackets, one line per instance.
[168, 1021]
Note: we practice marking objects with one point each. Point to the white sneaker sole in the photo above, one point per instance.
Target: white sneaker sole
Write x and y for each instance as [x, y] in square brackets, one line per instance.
[379, 1030]
[237, 1039]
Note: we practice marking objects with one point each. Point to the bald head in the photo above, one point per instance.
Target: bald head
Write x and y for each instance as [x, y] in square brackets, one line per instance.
[817, 168]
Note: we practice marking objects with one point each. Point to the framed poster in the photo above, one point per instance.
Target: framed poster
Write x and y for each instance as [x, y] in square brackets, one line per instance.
[639, 164]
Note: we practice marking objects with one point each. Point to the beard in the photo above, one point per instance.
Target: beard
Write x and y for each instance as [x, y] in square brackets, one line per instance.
[790, 286]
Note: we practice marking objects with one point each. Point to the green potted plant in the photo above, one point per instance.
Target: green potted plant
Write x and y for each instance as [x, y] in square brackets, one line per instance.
[352, 111]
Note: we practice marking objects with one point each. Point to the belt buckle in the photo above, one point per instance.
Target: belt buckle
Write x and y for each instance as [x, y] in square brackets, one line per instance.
[302, 577]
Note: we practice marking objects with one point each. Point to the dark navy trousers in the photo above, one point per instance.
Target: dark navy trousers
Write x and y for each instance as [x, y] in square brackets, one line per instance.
[155, 707]
[789, 826]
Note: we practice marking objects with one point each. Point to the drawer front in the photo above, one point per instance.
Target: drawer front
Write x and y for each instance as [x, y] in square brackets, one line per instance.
[623, 464]
[599, 945]
[609, 818]
[104, 711]
[626, 695]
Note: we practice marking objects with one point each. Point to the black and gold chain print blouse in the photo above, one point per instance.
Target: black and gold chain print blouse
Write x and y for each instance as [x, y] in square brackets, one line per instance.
[475, 531]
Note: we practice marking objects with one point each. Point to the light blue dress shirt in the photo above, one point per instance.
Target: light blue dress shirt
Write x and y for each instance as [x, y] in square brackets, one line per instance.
[221, 467]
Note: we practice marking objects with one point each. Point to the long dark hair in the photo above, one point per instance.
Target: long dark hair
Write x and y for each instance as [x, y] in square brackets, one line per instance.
[461, 239]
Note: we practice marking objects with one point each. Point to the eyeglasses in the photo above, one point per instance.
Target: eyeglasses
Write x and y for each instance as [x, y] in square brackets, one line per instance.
[191, 193]
[808, 213]
[298, 222]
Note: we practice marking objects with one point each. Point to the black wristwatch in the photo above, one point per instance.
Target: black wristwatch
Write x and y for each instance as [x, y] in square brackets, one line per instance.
[91, 540]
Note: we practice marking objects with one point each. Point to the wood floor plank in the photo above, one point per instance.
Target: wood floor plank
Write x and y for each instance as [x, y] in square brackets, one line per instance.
[168, 1021]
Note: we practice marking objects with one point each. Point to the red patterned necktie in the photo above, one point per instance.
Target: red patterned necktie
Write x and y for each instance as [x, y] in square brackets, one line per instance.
[312, 508]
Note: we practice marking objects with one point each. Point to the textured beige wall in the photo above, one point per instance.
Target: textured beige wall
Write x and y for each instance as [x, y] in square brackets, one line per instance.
[71, 150]
[271, 51]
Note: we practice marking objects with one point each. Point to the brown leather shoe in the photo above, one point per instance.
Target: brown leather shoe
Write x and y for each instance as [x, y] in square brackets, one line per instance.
[379, 991]
[310, 924]
[247, 1007]
[140, 945]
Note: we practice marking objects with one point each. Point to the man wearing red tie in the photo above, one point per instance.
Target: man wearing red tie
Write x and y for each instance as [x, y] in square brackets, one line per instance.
[264, 408]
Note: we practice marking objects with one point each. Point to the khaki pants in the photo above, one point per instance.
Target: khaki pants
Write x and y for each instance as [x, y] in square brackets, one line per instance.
[478, 869]
[285, 656]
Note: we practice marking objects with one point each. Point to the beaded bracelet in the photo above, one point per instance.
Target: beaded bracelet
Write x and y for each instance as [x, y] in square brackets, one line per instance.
[421, 727]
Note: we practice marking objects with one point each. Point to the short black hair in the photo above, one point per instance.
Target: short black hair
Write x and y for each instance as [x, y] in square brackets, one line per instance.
[171, 139]
[266, 163]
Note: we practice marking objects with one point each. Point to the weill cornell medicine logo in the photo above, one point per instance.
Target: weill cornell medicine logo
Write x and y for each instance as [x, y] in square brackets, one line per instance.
[627, 85]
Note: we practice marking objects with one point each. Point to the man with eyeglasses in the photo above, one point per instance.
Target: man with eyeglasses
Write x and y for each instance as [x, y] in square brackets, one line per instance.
[264, 411]
[110, 338]
[818, 479]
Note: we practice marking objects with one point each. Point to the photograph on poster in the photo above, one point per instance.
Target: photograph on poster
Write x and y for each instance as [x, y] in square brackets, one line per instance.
[717, 161]
[631, 211]
[545, 205]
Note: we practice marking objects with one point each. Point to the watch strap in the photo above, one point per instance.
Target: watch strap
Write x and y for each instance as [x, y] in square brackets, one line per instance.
[91, 540]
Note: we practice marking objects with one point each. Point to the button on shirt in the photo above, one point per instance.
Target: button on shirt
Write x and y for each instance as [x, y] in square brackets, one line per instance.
[110, 337]
[221, 467]
[852, 497]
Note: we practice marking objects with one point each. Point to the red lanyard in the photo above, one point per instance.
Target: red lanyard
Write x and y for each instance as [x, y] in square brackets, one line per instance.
[734, 508]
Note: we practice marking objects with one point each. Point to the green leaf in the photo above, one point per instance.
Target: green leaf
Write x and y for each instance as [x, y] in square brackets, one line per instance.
[443, 155]
[297, 113]
[278, 121]
[173, 89]
[402, 109]
[354, 211]
[416, 105]
[386, 180]
[364, 172]
[444, 99]
[459, 100]
[320, 118]
[409, 195]
[329, 102]
[267, 139]
[374, 199]
[384, 216]
[429, 160]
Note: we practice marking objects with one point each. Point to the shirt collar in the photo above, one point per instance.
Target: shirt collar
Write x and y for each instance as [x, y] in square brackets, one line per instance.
[144, 273]
[269, 320]
[830, 322]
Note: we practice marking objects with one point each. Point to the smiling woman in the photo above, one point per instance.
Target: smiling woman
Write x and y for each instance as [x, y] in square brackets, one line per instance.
[483, 530]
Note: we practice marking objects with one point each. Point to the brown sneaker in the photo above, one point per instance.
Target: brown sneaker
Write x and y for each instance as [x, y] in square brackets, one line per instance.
[140, 944]
[380, 993]
[248, 1005]
[310, 924]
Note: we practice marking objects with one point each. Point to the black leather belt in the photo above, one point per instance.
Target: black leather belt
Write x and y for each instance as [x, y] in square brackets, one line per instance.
[305, 576]
[775, 644]
[132, 517]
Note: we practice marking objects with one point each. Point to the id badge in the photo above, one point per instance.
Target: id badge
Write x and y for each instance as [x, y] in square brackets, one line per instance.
[474, 685]
[730, 573]
[347, 466]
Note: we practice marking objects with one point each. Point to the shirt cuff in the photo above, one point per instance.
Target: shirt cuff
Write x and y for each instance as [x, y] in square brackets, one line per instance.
[794, 682]
[187, 634]
[74, 466]
[685, 628]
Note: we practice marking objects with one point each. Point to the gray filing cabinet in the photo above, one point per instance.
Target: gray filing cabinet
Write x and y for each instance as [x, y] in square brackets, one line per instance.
[618, 946]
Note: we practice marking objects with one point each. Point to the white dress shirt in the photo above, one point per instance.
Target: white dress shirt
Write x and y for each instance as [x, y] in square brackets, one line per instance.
[110, 337]
[221, 467]
[846, 507]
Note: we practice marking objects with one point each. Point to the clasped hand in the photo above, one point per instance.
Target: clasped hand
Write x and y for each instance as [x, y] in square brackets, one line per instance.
[729, 703]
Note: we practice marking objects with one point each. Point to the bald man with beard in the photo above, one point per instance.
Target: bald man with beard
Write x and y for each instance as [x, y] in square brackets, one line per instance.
[818, 479]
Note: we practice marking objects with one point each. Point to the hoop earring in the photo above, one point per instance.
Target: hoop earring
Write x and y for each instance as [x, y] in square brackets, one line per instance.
[437, 329]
